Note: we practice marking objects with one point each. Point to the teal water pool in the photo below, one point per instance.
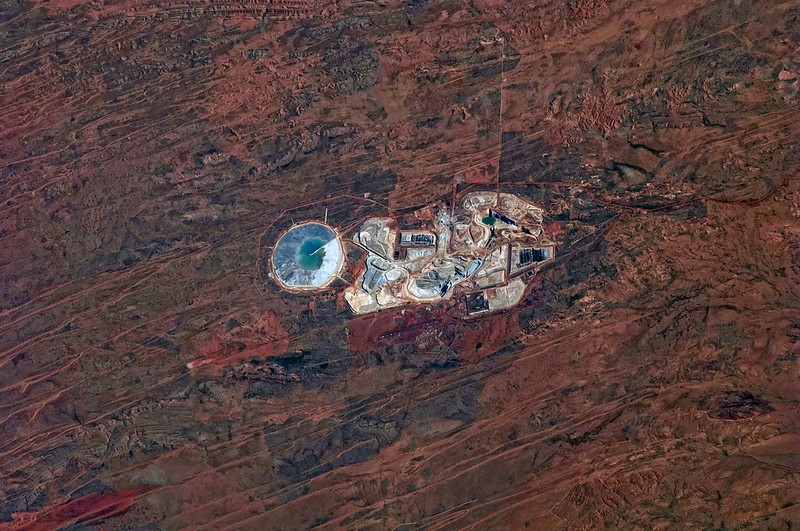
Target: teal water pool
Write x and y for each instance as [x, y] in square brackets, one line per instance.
[311, 253]
[308, 256]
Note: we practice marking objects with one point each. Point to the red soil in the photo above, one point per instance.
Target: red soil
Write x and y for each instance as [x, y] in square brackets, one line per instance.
[486, 336]
[88, 509]
[265, 338]
[484, 173]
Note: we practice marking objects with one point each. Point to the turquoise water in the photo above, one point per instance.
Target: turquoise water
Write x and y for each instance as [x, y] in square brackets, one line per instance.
[311, 253]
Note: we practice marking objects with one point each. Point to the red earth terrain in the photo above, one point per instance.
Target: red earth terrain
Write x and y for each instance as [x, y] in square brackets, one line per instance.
[153, 376]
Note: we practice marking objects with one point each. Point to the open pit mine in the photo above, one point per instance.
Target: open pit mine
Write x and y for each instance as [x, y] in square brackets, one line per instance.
[485, 251]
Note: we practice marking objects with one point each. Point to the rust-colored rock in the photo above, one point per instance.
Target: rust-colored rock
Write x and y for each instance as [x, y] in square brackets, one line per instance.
[154, 376]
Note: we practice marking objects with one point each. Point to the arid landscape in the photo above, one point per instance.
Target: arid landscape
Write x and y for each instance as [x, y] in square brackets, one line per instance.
[153, 375]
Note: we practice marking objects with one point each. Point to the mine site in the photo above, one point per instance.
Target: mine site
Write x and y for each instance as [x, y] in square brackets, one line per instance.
[400, 265]
[488, 251]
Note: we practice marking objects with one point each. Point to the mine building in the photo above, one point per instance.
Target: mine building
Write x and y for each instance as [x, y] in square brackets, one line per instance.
[543, 254]
[529, 256]
[524, 258]
[417, 239]
[416, 253]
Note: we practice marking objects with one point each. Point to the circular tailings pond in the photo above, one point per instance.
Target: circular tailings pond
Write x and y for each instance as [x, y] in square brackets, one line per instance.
[307, 256]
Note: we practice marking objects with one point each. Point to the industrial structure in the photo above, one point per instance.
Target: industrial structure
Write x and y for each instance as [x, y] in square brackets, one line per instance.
[484, 250]
[487, 250]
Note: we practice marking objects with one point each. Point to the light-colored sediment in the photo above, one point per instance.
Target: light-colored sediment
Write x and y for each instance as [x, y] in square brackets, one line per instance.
[470, 249]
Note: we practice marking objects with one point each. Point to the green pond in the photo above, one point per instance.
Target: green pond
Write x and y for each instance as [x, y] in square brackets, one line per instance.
[489, 220]
[311, 253]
